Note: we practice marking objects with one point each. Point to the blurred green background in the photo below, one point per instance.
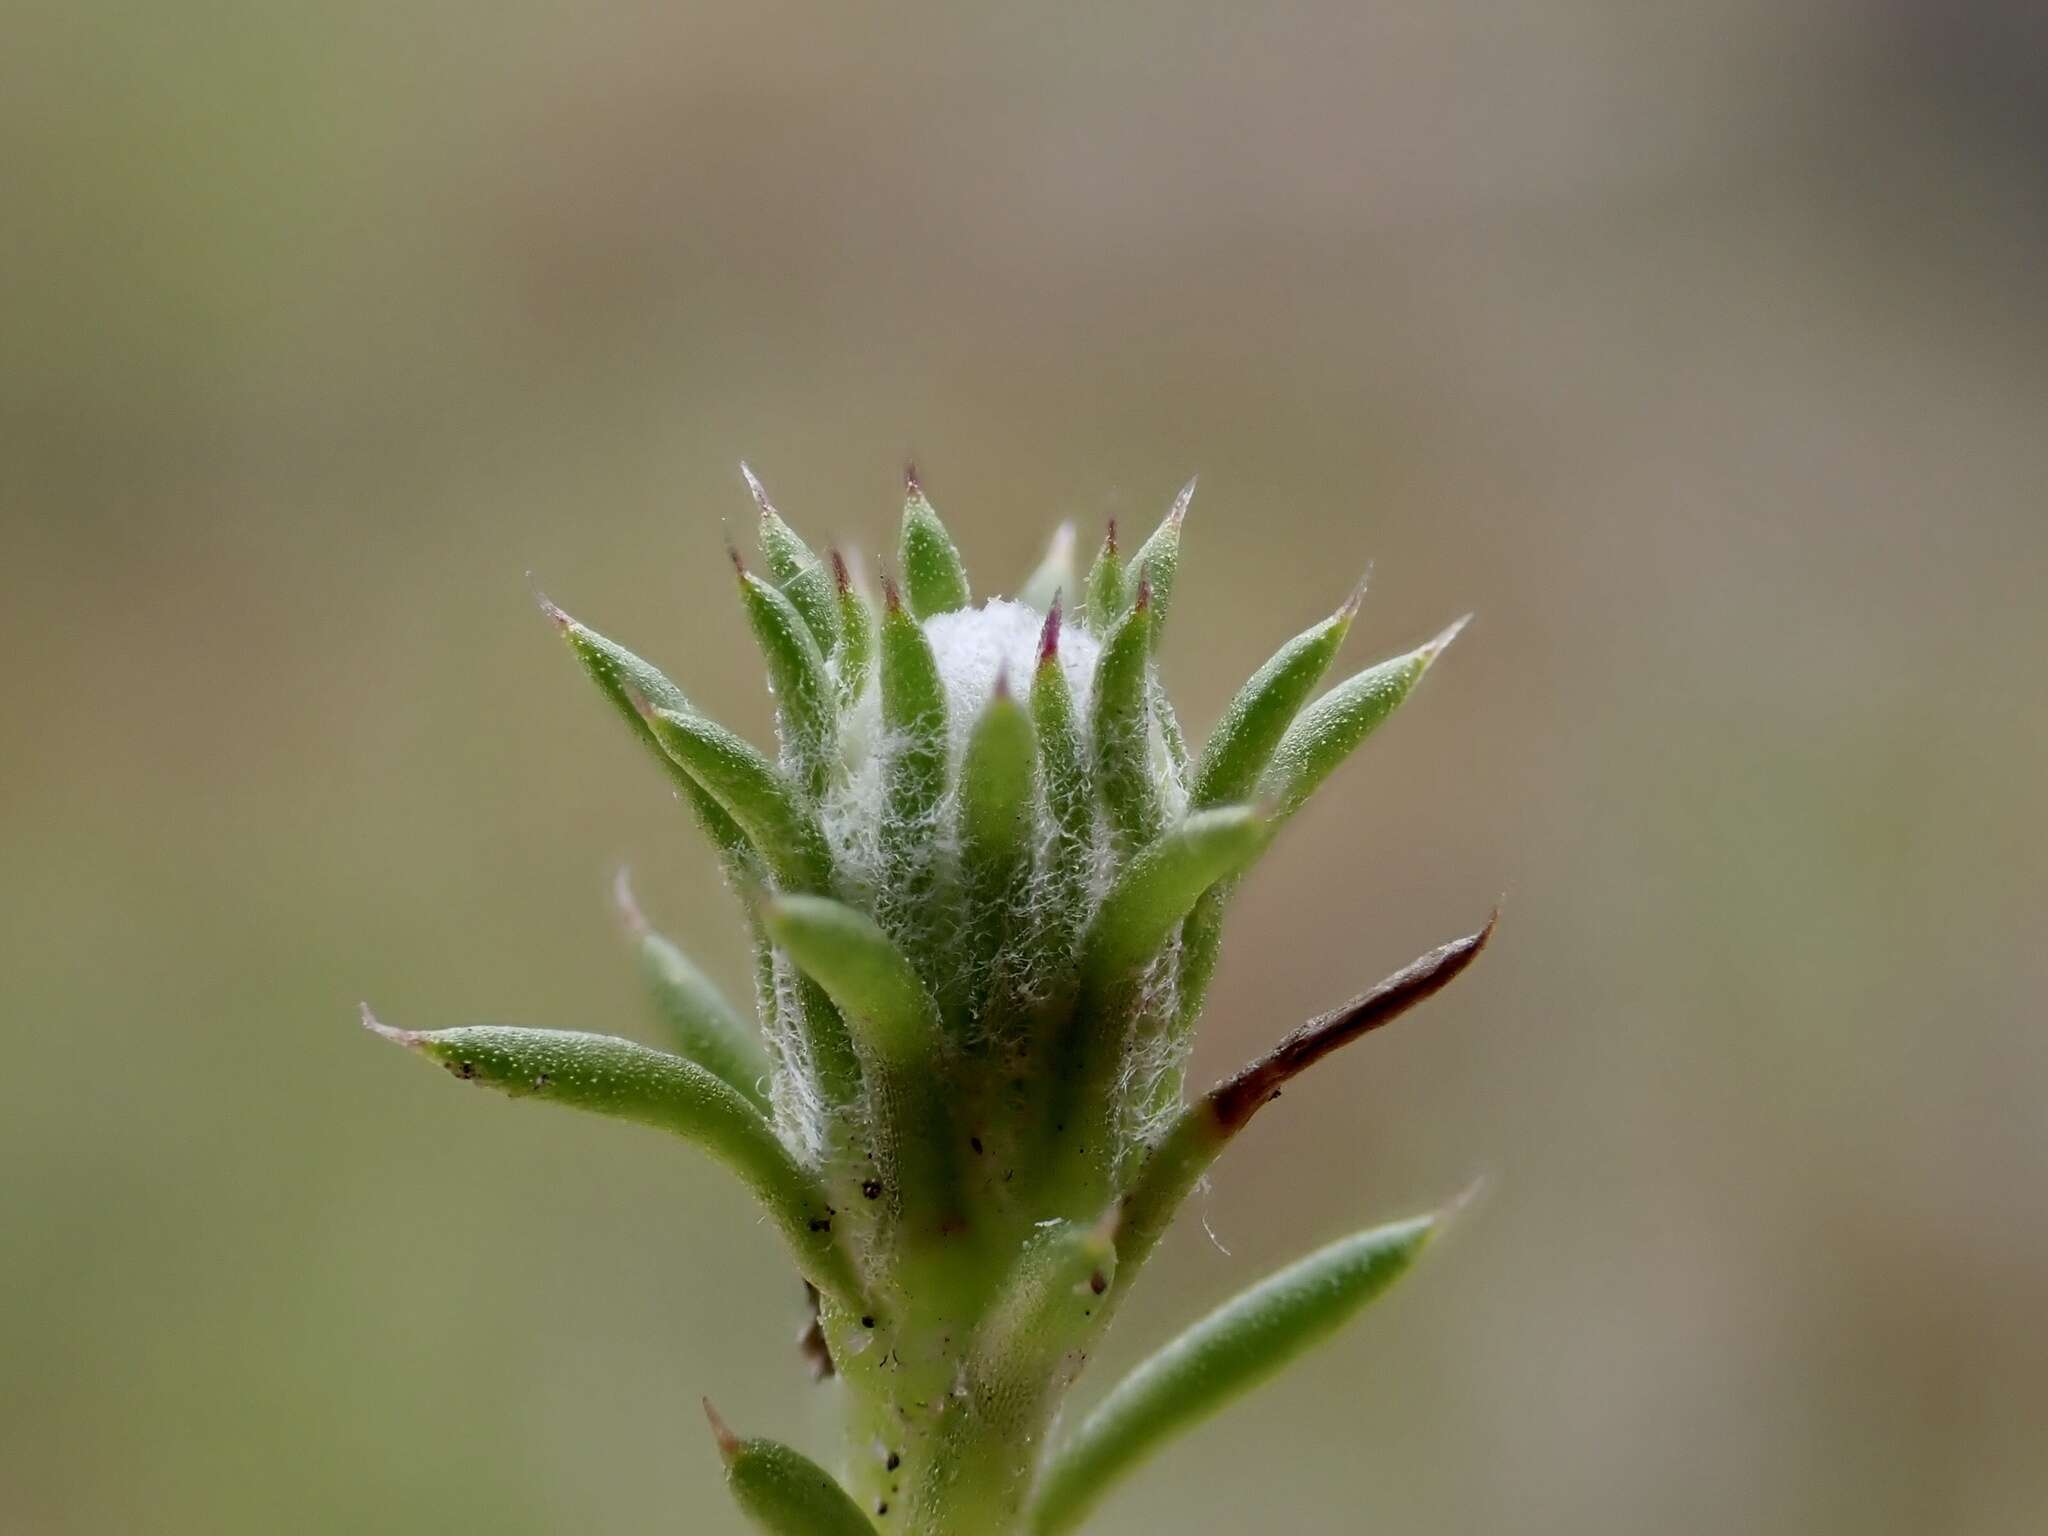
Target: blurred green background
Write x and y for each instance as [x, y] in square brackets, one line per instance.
[1702, 350]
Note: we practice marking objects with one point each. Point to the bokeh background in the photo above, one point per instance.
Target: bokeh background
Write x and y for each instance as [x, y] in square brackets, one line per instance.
[1702, 350]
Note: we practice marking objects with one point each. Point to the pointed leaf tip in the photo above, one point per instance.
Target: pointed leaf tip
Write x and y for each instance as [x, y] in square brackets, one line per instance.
[1178, 512]
[629, 909]
[1049, 635]
[1326, 732]
[1464, 1200]
[728, 1442]
[757, 490]
[842, 577]
[934, 576]
[1144, 601]
[1435, 647]
[376, 1026]
[892, 600]
[547, 606]
[1348, 609]
[911, 483]
[1109, 539]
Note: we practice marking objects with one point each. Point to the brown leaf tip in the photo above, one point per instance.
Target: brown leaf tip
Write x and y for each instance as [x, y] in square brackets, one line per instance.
[842, 577]
[892, 600]
[912, 485]
[728, 1442]
[1049, 636]
[1144, 602]
[1109, 538]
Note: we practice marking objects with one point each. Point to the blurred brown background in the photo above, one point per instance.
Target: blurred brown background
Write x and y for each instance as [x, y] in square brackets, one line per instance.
[1702, 350]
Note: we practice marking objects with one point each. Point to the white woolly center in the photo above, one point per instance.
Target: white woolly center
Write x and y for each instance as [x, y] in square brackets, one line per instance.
[975, 646]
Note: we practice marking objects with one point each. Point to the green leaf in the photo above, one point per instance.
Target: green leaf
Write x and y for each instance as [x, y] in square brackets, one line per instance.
[1237, 753]
[914, 711]
[892, 1015]
[1142, 908]
[806, 702]
[1328, 730]
[782, 1491]
[703, 1026]
[781, 545]
[856, 653]
[1055, 573]
[1228, 1353]
[812, 593]
[998, 794]
[1244, 739]
[625, 679]
[1026, 1348]
[1123, 730]
[1155, 892]
[1201, 948]
[998, 828]
[1157, 561]
[795, 569]
[631, 1082]
[896, 1032]
[914, 774]
[934, 579]
[1069, 793]
[754, 792]
[792, 844]
[1107, 594]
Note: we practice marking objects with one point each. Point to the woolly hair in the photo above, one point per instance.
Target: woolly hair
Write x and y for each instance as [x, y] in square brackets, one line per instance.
[974, 648]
